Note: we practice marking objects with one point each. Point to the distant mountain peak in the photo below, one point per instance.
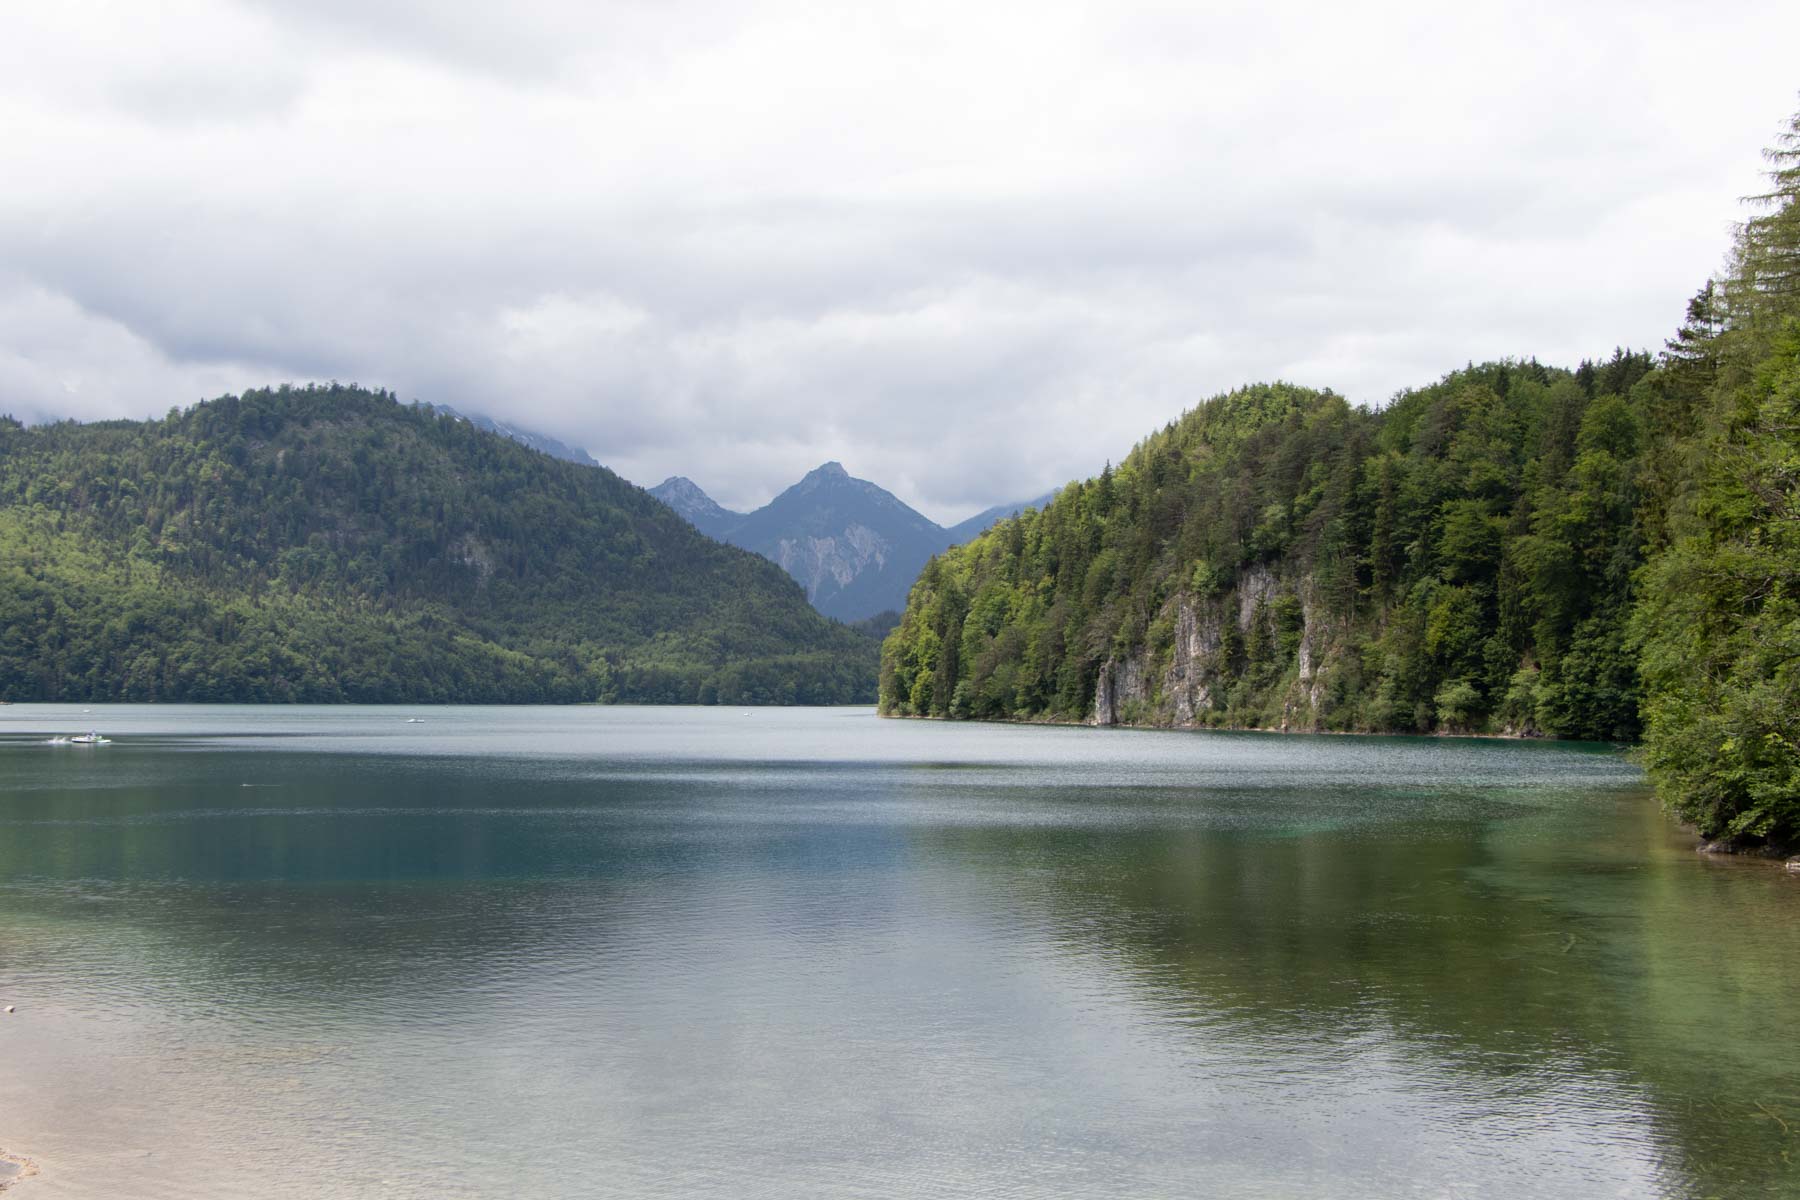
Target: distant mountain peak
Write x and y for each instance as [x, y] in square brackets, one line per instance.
[679, 486]
[701, 510]
[854, 546]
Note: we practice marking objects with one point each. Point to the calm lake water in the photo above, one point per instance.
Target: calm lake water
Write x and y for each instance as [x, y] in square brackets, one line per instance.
[685, 952]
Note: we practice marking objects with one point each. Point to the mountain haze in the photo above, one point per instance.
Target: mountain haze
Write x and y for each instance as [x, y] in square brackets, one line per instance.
[541, 442]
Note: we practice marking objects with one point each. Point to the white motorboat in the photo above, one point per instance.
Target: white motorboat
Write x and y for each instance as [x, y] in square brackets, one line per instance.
[89, 739]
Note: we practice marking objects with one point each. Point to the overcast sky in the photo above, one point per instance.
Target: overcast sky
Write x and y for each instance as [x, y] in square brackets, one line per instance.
[971, 250]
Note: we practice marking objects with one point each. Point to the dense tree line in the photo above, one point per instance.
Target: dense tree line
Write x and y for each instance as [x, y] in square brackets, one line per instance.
[1719, 617]
[1465, 557]
[1606, 553]
[328, 543]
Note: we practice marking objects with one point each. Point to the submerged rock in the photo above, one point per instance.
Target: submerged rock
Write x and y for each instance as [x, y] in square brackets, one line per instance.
[1751, 850]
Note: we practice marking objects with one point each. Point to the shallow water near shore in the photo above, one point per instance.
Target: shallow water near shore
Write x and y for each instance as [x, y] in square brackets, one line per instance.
[679, 952]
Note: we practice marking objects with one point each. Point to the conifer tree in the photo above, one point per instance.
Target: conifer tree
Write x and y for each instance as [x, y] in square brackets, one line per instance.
[1766, 278]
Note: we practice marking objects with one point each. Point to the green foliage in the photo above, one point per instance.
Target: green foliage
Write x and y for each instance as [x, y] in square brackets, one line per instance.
[1763, 286]
[1720, 623]
[1719, 618]
[1356, 569]
[327, 544]
[1457, 704]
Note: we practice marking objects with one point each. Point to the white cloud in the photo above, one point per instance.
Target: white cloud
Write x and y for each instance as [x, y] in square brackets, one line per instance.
[57, 360]
[970, 251]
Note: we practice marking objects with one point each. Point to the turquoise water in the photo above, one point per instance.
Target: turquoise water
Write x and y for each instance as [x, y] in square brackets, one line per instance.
[688, 952]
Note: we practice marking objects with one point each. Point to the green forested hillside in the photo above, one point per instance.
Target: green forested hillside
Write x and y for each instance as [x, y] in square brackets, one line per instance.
[327, 543]
[1601, 553]
[1281, 558]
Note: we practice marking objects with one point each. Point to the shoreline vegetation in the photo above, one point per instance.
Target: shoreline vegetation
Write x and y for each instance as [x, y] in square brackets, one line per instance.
[1066, 722]
[1609, 553]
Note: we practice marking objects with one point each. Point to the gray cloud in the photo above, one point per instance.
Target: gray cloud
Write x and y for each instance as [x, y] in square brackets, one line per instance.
[969, 252]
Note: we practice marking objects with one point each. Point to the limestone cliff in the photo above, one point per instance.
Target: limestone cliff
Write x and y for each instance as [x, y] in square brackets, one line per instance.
[1188, 682]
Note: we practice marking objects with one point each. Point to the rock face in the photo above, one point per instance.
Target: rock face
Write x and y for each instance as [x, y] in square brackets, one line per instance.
[1189, 678]
[830, 564]
[1194, 666]
[855, 547]
[1121, 692]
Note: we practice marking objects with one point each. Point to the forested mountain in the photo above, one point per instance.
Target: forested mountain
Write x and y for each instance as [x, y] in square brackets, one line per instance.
[327, 543]
[855, 547]
[1514, 548]
[1279, 557]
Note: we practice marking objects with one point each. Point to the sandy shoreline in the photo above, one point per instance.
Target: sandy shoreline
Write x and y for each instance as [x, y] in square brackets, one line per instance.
[25, 1169]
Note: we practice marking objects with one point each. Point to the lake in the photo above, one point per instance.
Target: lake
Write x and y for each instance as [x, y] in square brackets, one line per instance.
[716, 952]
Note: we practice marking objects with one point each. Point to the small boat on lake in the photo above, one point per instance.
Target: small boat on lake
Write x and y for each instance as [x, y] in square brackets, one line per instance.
[89, 738]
